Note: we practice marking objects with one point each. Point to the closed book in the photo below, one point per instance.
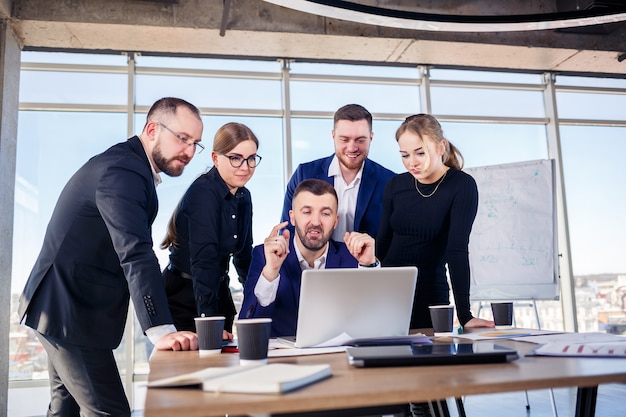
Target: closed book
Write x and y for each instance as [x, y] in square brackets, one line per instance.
[274, 378]
[193, 378]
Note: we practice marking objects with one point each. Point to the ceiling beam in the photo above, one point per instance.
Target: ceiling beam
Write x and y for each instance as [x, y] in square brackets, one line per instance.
[259, 29]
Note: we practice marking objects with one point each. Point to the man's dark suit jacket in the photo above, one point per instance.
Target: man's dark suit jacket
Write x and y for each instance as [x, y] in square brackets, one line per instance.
[98, 250]
[369, 206]
[284, 310]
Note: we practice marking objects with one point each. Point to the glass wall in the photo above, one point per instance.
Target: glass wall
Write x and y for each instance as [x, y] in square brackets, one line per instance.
[53, 144]
[73, 106]
[593, 133]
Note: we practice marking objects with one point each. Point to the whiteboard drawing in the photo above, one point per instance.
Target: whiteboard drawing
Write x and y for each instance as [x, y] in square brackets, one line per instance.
[513, 249]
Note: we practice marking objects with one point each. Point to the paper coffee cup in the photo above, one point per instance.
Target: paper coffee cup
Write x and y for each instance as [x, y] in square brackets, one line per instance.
[502, 314]
[442, 318]
[253, 336]
[210, 331]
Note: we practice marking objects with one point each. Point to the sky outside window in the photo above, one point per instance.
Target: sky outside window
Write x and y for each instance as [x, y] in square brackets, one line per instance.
[52, 145]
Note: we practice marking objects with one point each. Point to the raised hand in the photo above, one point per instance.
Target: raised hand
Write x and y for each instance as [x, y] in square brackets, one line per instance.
[361, 246]
[276, 248]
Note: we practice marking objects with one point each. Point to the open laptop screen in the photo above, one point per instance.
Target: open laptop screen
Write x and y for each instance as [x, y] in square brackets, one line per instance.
[359, 302]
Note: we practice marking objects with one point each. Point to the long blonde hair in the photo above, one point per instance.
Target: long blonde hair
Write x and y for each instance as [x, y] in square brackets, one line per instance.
[426, 125]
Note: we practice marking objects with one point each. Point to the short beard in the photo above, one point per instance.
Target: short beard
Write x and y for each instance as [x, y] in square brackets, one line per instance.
[349, 163]
[312, 245]
[165, 165]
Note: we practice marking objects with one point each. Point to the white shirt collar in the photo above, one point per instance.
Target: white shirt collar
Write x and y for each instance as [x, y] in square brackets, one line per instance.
[155, 175]
[319, 263]
[335, 171]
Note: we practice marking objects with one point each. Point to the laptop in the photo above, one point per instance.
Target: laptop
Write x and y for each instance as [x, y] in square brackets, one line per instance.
[430, 354]
[354, 303]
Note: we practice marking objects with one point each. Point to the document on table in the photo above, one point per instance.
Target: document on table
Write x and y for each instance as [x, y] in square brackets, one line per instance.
[522, 334]
[580, 344]
[279, 348]
[562, 337]
[597, 349]
[292, 351]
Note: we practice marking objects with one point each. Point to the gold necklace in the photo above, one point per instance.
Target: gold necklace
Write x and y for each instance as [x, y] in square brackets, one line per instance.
[436, 187]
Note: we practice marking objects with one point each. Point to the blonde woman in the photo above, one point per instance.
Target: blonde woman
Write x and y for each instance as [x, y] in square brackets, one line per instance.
[427, 217]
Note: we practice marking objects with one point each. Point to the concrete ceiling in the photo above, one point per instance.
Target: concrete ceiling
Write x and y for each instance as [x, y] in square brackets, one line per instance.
[256, 28]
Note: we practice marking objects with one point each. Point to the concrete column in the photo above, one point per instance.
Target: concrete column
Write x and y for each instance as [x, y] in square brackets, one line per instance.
[9, 104]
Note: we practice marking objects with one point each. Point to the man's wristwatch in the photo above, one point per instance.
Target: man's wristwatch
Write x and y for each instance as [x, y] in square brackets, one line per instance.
[374, 265]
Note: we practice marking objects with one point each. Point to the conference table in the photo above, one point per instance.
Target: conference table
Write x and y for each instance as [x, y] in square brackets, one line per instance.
[352, 387]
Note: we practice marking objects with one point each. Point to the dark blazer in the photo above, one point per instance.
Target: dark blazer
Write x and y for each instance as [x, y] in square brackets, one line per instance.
[97, 251]
[369, 206]
[284, 310]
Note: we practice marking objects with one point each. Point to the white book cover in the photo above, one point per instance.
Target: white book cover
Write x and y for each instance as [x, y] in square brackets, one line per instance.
[274, 378]
[193, 378]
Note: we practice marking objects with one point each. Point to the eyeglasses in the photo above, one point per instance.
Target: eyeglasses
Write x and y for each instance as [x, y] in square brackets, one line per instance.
[198, 147]
[236, 161]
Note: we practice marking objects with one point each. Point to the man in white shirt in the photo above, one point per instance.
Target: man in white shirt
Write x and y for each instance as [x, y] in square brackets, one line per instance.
[272, 287]
[358, 181]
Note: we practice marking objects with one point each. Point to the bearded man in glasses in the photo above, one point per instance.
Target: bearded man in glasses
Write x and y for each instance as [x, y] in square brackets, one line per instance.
[97, 254]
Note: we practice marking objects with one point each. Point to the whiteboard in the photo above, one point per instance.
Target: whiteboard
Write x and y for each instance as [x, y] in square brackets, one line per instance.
[513, 244]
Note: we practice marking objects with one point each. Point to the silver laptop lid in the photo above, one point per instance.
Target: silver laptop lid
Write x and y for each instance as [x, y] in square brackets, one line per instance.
[361, 302]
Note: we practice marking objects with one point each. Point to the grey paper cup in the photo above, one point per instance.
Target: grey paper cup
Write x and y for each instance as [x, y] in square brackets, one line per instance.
[442, 318]
[210, 334]
[253, 336]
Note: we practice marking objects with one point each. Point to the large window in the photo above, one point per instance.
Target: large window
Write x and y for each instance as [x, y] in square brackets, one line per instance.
[73, 106]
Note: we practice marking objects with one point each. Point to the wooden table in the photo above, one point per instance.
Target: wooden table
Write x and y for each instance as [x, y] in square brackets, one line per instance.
[362, 387]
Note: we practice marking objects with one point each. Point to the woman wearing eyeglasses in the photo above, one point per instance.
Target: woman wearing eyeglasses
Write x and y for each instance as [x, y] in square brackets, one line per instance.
[212, 224]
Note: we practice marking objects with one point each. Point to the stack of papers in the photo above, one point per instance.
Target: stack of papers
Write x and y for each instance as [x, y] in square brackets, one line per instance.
[514, 333]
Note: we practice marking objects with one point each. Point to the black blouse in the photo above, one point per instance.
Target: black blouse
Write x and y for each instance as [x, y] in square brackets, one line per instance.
[430, 233]
[212, 225]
